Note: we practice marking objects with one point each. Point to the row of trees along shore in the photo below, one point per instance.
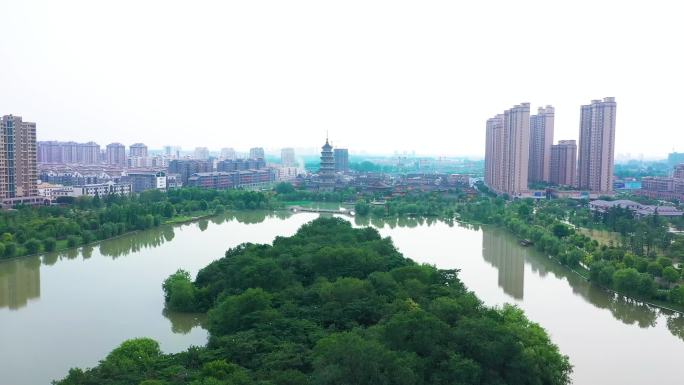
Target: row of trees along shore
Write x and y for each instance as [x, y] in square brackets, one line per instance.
[335, 305]
[29, 230]
[637, 256]
[641, 257]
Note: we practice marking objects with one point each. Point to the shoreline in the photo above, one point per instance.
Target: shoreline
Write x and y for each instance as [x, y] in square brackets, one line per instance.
[662, 307]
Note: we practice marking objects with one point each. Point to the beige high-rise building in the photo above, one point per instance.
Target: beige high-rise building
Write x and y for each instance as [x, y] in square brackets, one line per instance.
[138, 150]
[228, 153]
[287, 157]
[507, 151]
[597, 146]
[563, 163]
[493, 152]
[116, 154]
[541, 140]
[18, 169]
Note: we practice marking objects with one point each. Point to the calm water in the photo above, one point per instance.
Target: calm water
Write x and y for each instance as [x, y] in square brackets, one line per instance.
[63, 310]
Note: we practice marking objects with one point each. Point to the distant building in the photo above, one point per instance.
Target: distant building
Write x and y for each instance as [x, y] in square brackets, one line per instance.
[18, 168]
[173, 181]
[287, 157]
[116, 154]
[236, 179]
[101, 190]
[285, 174]
[507, 151]
[341, 156]
[597, 146]
[201, 153]
[678, 172]
[142, 181]
[563, 163]
[228, 153]
[172, 152]
[137, 150]
[603, 206]
[675, 158]
[256, 153]
[667, 188]
[139, 162]
[240, 165]
[53, 152]
[186, 167]
[541, 140]
[326, 171]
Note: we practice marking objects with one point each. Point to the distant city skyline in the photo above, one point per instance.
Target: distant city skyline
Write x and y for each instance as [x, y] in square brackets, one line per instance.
[404, 78]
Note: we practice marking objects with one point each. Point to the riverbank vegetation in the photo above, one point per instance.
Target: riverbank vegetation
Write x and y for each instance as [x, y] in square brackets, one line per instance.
[637, 256]
[29, 230]
[335, 305]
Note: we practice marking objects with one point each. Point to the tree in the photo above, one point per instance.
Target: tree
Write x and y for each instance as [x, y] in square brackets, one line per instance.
[561, 231]
[134, 355]
[240, 312]
[670, 274]
[179, 292]
[32, 246]
[655, 269]
[169, 211]
[49, 244]
[362, 208]
[626, 280]
[347, 358]
[284, 188]
[10, 249]
[72, 241]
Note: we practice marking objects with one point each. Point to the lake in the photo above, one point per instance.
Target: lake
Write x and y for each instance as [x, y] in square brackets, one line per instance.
[70, 309]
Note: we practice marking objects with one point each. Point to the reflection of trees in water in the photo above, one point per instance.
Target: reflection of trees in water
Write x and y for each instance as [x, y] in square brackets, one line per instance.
[183, 323]
[675, 324]
[361, 221]
[248, 217]
[622, 308]
[504, 249]
[203, 224]
[282, 214]
[50, 259]
[508, 258]
[87, 251]
[19, 282]
[218, 219]
[125, 245]
[168, 233]
[626, 310]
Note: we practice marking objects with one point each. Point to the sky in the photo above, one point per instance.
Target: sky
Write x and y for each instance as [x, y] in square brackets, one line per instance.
[378, 76]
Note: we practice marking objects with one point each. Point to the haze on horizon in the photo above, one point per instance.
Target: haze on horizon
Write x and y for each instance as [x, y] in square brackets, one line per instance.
[380, 76]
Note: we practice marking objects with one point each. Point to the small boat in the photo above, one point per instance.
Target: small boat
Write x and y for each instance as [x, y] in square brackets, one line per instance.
[525, 242]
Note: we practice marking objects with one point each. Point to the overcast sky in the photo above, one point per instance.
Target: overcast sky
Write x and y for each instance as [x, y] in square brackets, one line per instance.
[379, 76]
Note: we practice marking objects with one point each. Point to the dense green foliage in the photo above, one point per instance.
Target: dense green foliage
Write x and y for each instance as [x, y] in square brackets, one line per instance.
[639, 262]
[28, 230]
[336, 305]
[415, 204]
[285, 192]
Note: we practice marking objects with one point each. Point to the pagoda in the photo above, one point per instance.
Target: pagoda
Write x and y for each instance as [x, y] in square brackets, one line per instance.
[326, 172]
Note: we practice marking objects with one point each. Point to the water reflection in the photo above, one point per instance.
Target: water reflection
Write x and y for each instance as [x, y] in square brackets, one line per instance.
[20, 278]
[508, 258]
[183, 323]
[19, 282]
[675, 324]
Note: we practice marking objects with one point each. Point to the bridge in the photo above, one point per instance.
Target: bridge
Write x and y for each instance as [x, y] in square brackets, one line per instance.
[300, 209]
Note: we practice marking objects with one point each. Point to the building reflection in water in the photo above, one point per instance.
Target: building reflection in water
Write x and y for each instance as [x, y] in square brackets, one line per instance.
[19, 282]
[508, 258]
